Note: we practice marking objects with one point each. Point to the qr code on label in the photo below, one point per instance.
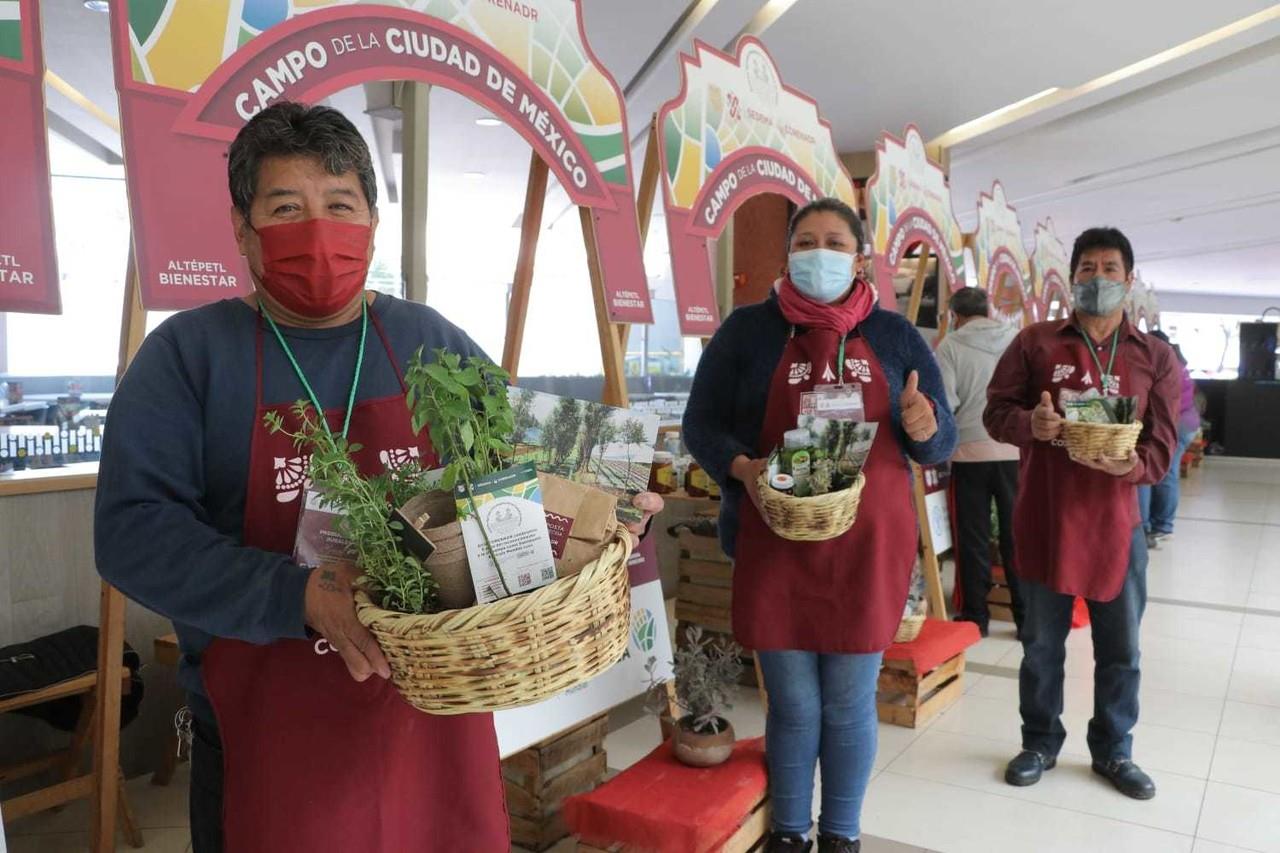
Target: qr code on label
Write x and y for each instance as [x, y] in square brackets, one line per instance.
[548, 574]
[525, 579]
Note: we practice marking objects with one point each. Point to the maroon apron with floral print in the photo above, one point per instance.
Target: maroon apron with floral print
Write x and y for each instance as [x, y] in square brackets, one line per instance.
[844, 595]
[1066, 544]
[314, 760]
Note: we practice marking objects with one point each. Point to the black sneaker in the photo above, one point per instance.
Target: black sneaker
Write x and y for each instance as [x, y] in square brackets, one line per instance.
[782, 842]
[836, 844]
[1153, 542]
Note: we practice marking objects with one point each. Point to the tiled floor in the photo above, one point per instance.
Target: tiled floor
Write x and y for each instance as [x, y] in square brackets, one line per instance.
[1209, 734]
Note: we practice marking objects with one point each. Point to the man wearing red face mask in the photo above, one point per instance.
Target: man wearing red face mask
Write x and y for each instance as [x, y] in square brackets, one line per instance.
[300, 741]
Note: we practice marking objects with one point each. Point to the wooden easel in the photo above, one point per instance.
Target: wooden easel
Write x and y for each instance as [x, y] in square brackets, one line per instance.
[929, 565]
[612, 343]
[106, 736]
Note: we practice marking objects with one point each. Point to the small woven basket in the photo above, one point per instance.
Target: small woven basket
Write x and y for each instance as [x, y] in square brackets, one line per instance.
[812, 519]
[909, 628]
[1094, 441]
[511, 652]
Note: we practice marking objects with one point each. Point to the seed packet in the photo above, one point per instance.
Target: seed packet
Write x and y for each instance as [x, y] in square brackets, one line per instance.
[843, 445]
[506, 532]
[318, 539]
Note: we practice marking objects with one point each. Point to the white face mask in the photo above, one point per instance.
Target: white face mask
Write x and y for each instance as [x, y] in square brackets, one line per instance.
[823, 275]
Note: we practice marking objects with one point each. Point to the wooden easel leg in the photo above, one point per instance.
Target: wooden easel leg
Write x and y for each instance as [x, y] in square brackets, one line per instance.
[615, 379]
[128, 823]
[106, 724]
[106, 741]
[522, 285]
[917, 287]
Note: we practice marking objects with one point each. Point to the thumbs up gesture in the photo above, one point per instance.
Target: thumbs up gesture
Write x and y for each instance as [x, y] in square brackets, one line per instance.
[1046, 423]
[918, 418]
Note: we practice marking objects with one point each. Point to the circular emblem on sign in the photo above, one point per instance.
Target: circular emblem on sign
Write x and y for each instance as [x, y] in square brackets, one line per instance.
[762, 77]
[504, 518]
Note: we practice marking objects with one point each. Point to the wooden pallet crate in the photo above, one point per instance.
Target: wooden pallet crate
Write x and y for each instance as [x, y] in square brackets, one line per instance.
[907, 698]
[704, 596]
[539, 779]
[751, 836]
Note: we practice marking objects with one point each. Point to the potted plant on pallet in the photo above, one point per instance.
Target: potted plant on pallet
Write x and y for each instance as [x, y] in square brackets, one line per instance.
[706, 676]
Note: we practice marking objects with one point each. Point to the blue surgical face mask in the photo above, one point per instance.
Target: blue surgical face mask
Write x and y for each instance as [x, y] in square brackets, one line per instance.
[823, 275]
[1099, 296]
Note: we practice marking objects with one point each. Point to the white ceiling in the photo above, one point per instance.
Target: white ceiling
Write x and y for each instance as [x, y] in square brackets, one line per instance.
[1186, 158]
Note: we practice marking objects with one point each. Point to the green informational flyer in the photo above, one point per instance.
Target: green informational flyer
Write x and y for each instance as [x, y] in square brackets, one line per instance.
[503, 520]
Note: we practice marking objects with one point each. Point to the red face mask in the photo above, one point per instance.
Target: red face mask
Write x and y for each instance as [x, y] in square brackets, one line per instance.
[314, 267]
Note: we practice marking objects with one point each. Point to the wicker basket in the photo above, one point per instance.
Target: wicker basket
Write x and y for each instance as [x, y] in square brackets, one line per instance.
[1094, 441]
[909, 628]
[812, 519]
[512, 652]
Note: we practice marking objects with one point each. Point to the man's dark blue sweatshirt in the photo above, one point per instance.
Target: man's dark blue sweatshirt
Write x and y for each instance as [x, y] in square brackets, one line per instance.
[175, 459]
[731, 390]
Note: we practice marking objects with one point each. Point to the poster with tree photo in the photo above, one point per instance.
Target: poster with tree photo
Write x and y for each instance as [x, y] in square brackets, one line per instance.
[590, 443]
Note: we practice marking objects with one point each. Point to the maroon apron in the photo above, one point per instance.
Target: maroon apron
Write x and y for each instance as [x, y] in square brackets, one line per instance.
[1062, 539]
[844, 595]
[314, 760]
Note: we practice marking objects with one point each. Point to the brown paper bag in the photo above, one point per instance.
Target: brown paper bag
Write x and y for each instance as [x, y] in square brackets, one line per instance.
[582, 521]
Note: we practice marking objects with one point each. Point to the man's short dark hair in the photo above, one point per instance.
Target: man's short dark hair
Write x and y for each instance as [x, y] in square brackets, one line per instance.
[1102, 238]
[828, 205]
[290, 129]
[970, 302]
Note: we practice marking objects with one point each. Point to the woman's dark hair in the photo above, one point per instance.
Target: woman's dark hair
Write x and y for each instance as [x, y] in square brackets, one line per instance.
[828, 205]
[1102, 238]
[970, 302]
[288, 129]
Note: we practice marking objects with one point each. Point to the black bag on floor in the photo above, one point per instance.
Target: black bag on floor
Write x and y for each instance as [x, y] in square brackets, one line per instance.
[46, 661]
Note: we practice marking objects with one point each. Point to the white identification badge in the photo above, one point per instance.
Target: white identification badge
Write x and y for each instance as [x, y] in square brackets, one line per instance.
[834, 402]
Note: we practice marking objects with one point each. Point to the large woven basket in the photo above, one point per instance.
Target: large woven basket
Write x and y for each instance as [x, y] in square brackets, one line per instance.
[812, 519]
[511, 652]
[1094, 441]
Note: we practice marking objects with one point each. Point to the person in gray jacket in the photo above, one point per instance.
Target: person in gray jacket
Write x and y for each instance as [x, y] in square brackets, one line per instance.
[983, 470]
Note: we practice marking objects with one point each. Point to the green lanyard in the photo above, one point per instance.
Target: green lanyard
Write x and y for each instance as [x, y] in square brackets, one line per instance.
[840, 363]
[1102, 377]
[355, 380]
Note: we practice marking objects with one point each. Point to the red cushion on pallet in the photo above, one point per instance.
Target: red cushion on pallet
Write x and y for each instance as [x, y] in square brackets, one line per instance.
[661, 805]
[939, 642]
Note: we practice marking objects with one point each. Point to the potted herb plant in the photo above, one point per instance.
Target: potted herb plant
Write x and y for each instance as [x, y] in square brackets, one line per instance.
[706, 676]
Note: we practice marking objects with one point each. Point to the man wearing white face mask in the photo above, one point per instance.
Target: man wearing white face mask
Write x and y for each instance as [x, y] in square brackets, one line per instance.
[819, 614]
[1077, 529]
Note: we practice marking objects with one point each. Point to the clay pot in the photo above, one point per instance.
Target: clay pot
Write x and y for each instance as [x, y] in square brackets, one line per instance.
[448, 563]
[703, 750]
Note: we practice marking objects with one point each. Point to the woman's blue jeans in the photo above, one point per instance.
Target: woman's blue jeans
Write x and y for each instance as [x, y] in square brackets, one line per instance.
[1159, 503]
[820, 707]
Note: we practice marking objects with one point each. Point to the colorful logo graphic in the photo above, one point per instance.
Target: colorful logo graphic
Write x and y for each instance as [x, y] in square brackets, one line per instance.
[1050, 269]
[909, 202]
[731, 104]
[644, 629]
[178, 44]
[11, 30]
[1003, 269]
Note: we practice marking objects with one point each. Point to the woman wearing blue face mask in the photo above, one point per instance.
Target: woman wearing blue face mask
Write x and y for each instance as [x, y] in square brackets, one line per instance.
[819, 614]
